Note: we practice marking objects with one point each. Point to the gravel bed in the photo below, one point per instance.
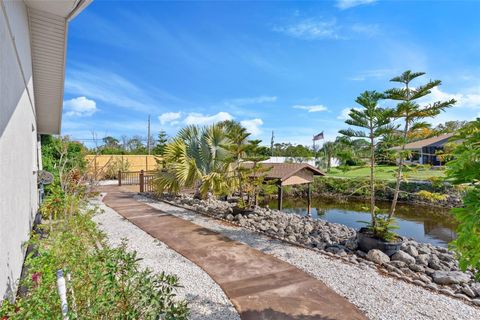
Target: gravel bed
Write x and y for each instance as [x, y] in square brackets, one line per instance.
[378, 296]
[206, 299]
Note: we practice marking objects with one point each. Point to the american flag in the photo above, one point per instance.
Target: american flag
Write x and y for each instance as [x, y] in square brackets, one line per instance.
[318, 136]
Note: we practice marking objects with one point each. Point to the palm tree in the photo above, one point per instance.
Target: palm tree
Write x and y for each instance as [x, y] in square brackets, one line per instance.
[376, 122]
[328, 151]
[197, 158]
[411, 113]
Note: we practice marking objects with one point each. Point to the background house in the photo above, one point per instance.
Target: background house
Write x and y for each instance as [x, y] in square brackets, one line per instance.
[425, 151]
[33, 38]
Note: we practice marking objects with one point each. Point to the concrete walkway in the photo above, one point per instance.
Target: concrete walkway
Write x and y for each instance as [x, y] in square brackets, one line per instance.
[259, 285]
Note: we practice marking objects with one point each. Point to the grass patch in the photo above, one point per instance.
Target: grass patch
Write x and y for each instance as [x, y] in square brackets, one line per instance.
[387, 172]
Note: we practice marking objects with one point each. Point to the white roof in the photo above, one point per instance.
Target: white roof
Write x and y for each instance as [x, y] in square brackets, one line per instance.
[48, 22]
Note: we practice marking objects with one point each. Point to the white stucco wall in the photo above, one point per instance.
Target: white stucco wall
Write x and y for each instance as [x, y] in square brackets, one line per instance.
[18, 146]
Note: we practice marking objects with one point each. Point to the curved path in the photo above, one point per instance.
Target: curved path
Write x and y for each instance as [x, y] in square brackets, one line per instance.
[259, 285]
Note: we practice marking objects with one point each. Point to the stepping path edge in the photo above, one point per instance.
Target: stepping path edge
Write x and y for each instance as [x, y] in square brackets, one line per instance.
[260, 286]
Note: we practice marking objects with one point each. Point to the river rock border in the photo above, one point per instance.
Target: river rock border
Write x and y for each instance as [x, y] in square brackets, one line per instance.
[430, 267]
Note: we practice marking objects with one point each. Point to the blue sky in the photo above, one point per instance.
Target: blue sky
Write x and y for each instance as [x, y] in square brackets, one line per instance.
[291, 67]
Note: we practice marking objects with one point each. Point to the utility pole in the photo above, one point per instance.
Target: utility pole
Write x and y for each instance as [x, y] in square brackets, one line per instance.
[271, 145]
[148, 135]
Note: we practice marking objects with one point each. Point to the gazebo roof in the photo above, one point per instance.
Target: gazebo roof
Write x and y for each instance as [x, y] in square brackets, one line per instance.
[283, 171]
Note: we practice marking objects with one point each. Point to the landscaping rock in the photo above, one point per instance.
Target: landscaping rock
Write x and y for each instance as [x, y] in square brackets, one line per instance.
[411, 250]
[450, 277]
[476, 288]
[417, 268]
[377, 256]
[468, 291]
[404, 257]
[422, 259]
[434, 262]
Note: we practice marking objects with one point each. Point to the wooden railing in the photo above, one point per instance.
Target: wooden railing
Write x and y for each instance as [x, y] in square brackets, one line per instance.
[142, 178]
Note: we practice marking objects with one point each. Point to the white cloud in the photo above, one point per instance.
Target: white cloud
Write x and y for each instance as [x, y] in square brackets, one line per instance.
[252, 126]
[313, 108]
[347, 4]
[80, 106]
[201, 119]
[252, 100]
[311, 29]
[169, 117]
[374, 73]
[114, 89]
[344, 114]
[366, 29]
[468, 98]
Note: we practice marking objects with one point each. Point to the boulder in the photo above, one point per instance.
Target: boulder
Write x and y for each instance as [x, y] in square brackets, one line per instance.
[411, 250]
[450, 277]
[424, 278]
[404, 257]
[468, 291]
[377, 256]
[417, 268]
[434, 262]
[446, 257]
[476, 288]
[230, 217]
[361, 254]
[422, 259]
[398, 264]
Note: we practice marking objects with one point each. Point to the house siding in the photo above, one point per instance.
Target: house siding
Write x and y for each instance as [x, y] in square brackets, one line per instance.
[18, 144]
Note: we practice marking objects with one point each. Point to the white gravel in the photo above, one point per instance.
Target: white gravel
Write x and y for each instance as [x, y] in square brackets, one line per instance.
[378, 296]
[205, 298]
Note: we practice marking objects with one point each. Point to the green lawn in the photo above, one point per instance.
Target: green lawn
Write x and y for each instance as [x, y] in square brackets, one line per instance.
[387, 173]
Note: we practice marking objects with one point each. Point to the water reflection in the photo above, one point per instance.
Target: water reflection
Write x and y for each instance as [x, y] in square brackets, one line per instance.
[424, 224]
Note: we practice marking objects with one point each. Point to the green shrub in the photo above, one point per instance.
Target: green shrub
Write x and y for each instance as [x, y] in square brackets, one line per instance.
[464, 169]
[106, 283]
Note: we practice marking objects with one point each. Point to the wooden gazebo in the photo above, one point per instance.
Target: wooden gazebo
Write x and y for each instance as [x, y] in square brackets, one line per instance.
[288, 174]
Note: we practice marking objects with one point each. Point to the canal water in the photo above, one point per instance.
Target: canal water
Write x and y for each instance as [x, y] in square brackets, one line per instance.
[424, 224]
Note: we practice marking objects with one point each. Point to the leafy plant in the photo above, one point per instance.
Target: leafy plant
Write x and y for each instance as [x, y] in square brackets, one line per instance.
[465, 169]
[432, 196]
[105, 283]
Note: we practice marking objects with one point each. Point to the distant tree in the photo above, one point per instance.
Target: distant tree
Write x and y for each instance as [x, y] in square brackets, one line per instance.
[421, 133]
[161, 143]
[110, 142]
[383, 152]
[327, 152]
[135, 145]
[111, 145]
[449, 127]
[412, 114]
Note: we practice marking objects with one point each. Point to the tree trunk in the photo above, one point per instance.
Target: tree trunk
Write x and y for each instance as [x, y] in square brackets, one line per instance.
[372, 182]
[399, 172]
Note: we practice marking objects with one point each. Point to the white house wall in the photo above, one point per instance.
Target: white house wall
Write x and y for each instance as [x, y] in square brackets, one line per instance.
[18, 147]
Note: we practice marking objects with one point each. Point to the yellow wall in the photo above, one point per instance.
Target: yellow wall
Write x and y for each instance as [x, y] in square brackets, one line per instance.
[98, 163]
